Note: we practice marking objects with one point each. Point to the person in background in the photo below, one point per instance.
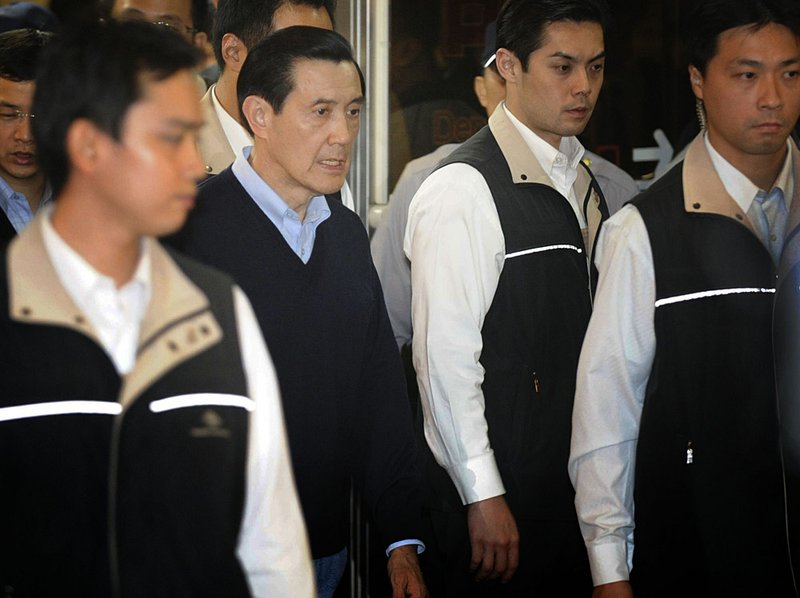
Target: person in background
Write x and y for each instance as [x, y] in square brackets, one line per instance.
[149, 458]
[187, 17]
[273, 221]
[27, 15]
[498, 238]
[23, 185]
[676, 456]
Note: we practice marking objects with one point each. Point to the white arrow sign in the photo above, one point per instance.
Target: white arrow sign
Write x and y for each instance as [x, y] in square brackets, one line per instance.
[661, 154]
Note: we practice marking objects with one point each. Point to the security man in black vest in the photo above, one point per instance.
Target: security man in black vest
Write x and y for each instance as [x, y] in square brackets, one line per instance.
[676, 454]
[141, 432]
[499, 239]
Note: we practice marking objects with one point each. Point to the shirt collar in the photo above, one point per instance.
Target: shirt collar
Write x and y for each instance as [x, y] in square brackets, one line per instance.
[570, 149]
[78, 277]
[237, 135]
[267, 199]
[741, 188]
[6, 193]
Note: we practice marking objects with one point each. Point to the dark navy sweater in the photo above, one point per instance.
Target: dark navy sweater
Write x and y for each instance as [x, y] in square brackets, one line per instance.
[341, 378]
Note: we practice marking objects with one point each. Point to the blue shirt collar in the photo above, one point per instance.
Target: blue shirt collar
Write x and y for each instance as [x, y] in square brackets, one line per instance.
[270, 202]
[10, 203]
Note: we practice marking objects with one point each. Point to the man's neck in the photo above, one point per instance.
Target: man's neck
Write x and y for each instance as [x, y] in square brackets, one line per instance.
[31, 187]
[296, 200]
[761, 169]
[93, 234]
[225, 91]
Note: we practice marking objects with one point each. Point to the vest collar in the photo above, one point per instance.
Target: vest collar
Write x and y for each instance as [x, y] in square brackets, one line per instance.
[177, 325]
[704, 193]
[524, 166]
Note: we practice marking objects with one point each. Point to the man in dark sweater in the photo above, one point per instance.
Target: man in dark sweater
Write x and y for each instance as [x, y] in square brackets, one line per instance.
[274, 221]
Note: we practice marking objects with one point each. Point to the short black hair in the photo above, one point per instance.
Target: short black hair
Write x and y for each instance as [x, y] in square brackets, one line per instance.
[521, 24]
[709, 18]
[20, 50]
[201, 16]
[268, 71]
[96, 70]
[251, 20]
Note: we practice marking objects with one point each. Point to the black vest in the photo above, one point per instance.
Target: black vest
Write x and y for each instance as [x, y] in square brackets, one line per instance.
[532, 335]
[137, 504]
[709, 503]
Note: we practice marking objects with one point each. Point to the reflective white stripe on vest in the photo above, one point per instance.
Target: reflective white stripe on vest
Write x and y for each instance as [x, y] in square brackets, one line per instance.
[706, 294]
[59, 408]
[202, 400]
[541, 249]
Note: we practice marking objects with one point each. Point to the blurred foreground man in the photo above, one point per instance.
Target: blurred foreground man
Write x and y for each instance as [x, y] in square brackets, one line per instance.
[143, 448]
[676, 454]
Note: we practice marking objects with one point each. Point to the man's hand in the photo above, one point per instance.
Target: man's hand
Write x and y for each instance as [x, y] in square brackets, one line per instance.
[617, 589]
[494, 538]
[405, 574]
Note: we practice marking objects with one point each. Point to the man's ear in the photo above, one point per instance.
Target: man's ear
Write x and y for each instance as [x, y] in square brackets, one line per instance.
[258, 113]
[508, 65]
[479, 85]
[200, 41]
[86, 146]
[233, 52]
[696, 80]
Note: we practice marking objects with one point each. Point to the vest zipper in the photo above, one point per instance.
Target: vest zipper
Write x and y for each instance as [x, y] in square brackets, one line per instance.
[536, 387]
[113, 472]
[780, 444]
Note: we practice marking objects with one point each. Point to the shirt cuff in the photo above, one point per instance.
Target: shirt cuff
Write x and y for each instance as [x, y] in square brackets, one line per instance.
[420, 545]
[608, 561]
[478, 479]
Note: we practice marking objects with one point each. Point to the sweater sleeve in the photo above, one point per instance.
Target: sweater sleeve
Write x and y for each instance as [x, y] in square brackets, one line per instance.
[390, 473]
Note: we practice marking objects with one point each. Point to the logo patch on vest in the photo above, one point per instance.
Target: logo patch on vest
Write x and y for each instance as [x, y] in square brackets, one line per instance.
[212, 426]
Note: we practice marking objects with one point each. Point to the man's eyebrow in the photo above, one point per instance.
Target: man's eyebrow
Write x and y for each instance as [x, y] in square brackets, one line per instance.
[748, 62]
[752, 63]
[4, 104]
[572, 58]
[182, 123]
[357, 100]
[132, 11]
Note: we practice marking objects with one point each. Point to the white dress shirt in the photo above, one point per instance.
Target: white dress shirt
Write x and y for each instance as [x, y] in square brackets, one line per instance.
[613, 372]
[273, 547]
[457, 250]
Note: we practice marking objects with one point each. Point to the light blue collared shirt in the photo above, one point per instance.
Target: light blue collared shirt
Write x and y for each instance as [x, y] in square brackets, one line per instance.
[300, 235]
[16, 207]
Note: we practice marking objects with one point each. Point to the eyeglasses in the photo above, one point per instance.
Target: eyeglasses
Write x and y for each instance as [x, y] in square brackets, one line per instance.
[177, 27]
[10, 117]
